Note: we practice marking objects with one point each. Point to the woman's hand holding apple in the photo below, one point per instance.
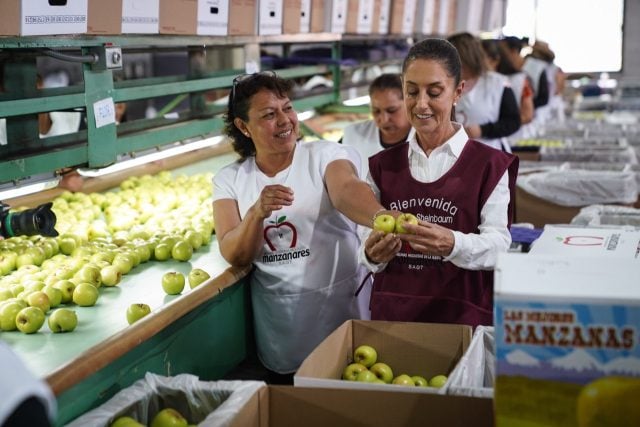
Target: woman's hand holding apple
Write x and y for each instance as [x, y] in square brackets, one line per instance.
[382, 247]
[428, 238]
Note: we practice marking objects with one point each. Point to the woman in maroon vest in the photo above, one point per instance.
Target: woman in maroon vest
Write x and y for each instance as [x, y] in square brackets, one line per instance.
[462, 192]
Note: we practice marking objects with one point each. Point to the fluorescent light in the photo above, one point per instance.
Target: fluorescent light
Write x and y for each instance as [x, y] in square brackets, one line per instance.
[17, 190]
[175, 150]
[306, 115]
[361, 100]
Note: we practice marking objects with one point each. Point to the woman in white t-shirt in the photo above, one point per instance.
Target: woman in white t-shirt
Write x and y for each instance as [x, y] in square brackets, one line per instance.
[389, 125]
[290, 209]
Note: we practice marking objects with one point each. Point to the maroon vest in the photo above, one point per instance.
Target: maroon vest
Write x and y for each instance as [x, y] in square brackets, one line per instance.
[420, 288]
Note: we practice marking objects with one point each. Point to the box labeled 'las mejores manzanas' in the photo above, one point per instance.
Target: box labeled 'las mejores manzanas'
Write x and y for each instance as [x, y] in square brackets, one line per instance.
[567, 332]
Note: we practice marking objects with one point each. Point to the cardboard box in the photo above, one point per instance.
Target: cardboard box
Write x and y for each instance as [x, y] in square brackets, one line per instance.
[425, 349]
[285, 406]
[123, 16]
[292, 16]
[140, 16]
[270, 17]
[360, 15]
[381, 15]
[305, 16]
[605, 242]
[335, 16]
[539, 212]
[566, 330]
[317, 16]
[40, 17]
[208, 17]
[403, 14]
[426, 16]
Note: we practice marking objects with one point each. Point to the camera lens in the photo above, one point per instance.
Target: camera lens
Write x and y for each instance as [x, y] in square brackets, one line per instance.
[40, 220]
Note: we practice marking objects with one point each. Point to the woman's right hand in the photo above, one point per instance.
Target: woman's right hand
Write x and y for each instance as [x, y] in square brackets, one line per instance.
[382, 247]
[273, 198]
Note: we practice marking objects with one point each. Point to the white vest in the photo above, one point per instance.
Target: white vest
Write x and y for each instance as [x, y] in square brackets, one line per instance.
[482, 104]
[534, 68]
[307, 273]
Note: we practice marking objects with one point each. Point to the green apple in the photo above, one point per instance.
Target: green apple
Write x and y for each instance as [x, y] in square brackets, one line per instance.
[365, 355]
[403, 379]
[39, 299]
[351, 371]
[136, 312]
[5, 294]
[54, 294]
[85, 295]
[8, 313]
[173, 282]
[382, 371]
[126, 422]
[89, 273]
[438, 381]
[366, 376]
[162, 252]
[194, 238]
[385, 223]
[62, 320]
[67, 245]
[197, 276]
[420, 381]
[609, 401]
[182, 251]
[405, 218]
[66, 287]
[168, 417]
[110, 275]
[29, 320]
[123, 262]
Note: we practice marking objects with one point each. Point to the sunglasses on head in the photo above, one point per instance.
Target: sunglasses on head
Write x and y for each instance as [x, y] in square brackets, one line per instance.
[245, 77]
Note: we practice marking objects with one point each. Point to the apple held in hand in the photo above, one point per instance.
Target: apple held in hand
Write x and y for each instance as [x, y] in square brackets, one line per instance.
[403, 379]
[420, 381]
[63, 320]
[136, 312]
[173, 282]
[350, 373]
[383, 372]
[438, 381]
[30, 320]
[405, 218]
[365, 355]
[385, 223]
[169, 417]
[197, 276]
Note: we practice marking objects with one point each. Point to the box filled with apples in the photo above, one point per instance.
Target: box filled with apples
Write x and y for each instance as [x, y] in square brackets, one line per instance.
[177, 401]
[379, 355]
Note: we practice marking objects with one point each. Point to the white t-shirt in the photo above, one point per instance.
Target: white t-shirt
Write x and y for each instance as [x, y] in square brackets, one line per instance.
[365, 138]
[307, 273]
[481, 104]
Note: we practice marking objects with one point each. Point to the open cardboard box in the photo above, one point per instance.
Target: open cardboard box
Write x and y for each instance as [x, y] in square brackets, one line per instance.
[286, 406]
[425, 349]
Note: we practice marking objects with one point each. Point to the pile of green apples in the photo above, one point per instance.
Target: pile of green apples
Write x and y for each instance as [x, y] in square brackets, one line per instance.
[103, 236]
[167, 417]
[366, 368]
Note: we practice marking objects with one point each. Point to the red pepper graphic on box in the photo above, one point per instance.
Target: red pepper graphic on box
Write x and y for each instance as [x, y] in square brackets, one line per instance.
[281, 234]
[582, 240]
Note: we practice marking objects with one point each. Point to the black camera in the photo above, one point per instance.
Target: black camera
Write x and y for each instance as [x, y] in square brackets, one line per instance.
[40, 220]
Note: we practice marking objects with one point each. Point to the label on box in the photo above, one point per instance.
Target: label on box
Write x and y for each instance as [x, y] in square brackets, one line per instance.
[43, 18]
[577, 241]
[104, 112]
[212, 17]
[140, 16]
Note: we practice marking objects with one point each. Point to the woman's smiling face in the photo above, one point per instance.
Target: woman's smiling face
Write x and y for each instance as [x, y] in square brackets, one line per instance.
[429, 95]
[272, 124]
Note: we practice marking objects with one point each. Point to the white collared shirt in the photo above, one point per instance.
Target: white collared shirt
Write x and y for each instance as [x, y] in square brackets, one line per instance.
[470, 251]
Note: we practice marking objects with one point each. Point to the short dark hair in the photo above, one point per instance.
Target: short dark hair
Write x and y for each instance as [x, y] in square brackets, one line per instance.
[471, 53]
[435, 49]
[385, 82]
[243, 90]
